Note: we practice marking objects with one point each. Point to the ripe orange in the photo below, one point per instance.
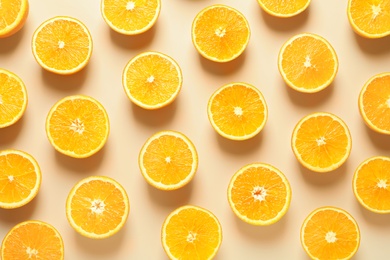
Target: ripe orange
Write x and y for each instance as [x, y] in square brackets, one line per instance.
[284, 8]
[13, 16]
[220, 33]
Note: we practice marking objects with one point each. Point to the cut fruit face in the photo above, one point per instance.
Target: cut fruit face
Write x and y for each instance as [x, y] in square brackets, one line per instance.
[13, 16]
[284, 8]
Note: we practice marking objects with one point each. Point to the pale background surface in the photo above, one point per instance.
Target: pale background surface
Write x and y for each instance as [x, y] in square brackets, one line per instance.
[219, 159]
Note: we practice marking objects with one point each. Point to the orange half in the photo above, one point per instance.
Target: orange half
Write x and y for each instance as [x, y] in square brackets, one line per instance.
[13, 16]
[284, 8]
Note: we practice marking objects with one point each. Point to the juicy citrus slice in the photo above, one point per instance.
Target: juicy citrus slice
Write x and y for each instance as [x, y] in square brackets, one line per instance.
[62, 45]
[130, 17]
[371, 184]
[237, 111]
[97, 207]
[191, 232]
[13, 98]
[259, 194]
[20, 178]
[374, 103]
[33, 239]
[308, 63]
[330, 233]
[152, 80]
[168, 160]
[284, 8]
[321, 142]
[220, 33]
[13, 16]
[370, 19]
[77, 126]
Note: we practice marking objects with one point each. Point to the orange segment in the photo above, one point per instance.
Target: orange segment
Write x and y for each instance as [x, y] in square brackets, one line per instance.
[77, 126]
[371, 184]
[13, 98]
[130, 17]
[20, 178]
[321, 142]
[220, 33]
[284, 8]
[168, 160]
[370, 19]
[152, 80]
[97, 207]
[307, 63]
[237, 111]
[191, 232]
[62, 45]
[13, 16]
[330, 233]
[32, 239]
[374, 103]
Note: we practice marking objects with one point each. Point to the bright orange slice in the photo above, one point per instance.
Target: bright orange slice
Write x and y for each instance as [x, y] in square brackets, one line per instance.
[284, 8]
[371, 184]
[13, 16]
[33, 239]
[97, 207]
[191, 232]
[321, 142]
[20, 178]
[168, 160]
[152, 80]
[237, 111]
[13, 98]
[330, 233]
[62, 45]
[77, 126]
[308, 63]
[220, 33]
[130, 17]
[259, 194]
[374, 103]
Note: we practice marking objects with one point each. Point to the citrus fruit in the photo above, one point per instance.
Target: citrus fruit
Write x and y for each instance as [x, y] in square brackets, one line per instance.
[13, 98]
[307, 63]
[62, 45]
[321, 142]
[152, 80]
[97, 207]
[259, 194]
[330, 233]
[237, 111]
[130, 17]
[370, 19]
[374, 103]
[77, 126]
[371, 184]
[32, 239]
[220, 33]
[168, 160]
[13, 16]
[284, 8]
[191, 232]
[20, 178]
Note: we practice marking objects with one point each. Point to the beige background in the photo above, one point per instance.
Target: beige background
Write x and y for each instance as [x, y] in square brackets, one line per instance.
[219, 159]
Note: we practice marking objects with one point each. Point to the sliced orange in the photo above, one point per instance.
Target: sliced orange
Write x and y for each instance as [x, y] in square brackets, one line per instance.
[62, 45]
[308, 63]
[237, 111]
[77, 126]
[370, 19]
[152, 80]
[130, 17]
[284, 8]
[330, 233]
[33, 239]
[374, 103]
[371, 184]
[321, 142]
[13, 98]
[97, 207]
[168, 160]
[259, 194]
[13, 16]
[191, 232]
[20, 178]
[220, 33]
